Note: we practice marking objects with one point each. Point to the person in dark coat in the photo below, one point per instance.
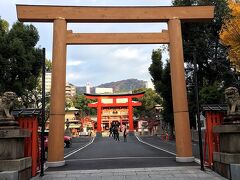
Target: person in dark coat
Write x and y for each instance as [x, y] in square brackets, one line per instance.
[116, 133]
[125, 134]
[110, 131]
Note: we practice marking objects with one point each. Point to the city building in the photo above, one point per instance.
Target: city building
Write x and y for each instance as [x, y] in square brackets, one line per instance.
[70, 90]
[48, 80]
[88, 88]
[150, 85]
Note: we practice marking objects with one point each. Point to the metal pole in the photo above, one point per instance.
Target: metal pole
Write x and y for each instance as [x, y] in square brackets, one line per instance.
[198, 111]
[43, 115]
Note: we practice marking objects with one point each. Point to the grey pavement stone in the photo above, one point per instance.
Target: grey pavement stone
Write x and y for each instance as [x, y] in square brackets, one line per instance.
[185, 175]
[144, 176]
[117, 177]
[142, 172]
[131, 173]
[131, 178]
[107, 178]
[46, 178]
[105, 174]
[164, 175]
[64, 178]
[88, 178]
[161, 173]
[59, 175]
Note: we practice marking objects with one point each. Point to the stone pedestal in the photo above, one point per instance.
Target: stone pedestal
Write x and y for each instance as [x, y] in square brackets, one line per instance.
[12, 157]
[229, 155]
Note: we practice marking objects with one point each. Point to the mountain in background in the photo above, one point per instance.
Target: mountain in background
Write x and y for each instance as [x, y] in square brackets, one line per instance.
[118, 86]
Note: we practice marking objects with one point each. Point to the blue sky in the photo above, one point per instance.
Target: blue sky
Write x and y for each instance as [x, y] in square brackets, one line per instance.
[97, 64]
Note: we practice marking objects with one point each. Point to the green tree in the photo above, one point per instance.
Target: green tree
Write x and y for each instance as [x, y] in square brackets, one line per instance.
[210, 94]
[4, 26]
[201, 39]
[48, 64]
[20, 61]
[81, 102]
[149, 101]
[156, 69]
[166, 93]
[162, 83]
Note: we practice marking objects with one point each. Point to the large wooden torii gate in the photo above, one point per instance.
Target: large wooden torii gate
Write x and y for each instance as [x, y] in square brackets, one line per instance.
[61, 15]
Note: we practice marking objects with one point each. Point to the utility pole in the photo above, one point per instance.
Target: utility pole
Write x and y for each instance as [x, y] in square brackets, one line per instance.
[198, 111]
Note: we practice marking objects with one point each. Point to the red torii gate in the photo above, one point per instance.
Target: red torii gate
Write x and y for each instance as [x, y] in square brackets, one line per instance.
[99, 104]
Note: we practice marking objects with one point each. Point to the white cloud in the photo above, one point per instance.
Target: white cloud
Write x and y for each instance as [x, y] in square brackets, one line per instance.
[106, 64]
[97, 63]
[74, 63]
[78, 76]
[126, 53]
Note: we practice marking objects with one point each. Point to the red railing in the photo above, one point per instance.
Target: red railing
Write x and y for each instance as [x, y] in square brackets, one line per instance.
[31, 145]
[213, 118]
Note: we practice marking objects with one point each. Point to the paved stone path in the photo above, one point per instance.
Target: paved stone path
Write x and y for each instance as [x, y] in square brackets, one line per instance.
[168, 145]
[106, 159]
[162, 173]
[106, 153]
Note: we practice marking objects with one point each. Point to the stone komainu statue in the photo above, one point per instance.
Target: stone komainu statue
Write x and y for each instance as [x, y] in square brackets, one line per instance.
[233, 101]
[6, 104]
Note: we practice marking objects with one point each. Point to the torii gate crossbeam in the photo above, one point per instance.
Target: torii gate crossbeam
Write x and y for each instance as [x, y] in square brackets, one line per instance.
[61, 15]
[117, 38]
[101, 14]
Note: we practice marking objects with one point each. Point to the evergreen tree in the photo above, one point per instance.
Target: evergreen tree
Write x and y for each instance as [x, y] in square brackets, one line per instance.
[149, 101]
[162, 83]
[20, 61]
[201, 39]
[156, 68]
[166, 93]
[81, 102]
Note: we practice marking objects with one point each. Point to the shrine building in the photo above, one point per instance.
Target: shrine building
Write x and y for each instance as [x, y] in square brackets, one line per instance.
[114, 108]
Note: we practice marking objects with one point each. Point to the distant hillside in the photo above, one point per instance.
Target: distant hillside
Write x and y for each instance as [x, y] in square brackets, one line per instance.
[118, 86]
[124, 85]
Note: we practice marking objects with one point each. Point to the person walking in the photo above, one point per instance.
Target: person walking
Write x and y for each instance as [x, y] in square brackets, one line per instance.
[125, 134]
[114, 132]
[110, 131]
[117, 133]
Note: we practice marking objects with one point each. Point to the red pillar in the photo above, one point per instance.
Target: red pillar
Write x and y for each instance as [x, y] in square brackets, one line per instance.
[130, 115]
[99, 117]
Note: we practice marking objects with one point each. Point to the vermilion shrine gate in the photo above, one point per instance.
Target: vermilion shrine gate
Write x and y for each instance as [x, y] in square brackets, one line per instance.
[61, 15]
[116, 107]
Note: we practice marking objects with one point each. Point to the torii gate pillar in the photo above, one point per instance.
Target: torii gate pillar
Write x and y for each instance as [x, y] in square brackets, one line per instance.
[57, 110]
[179, 95]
